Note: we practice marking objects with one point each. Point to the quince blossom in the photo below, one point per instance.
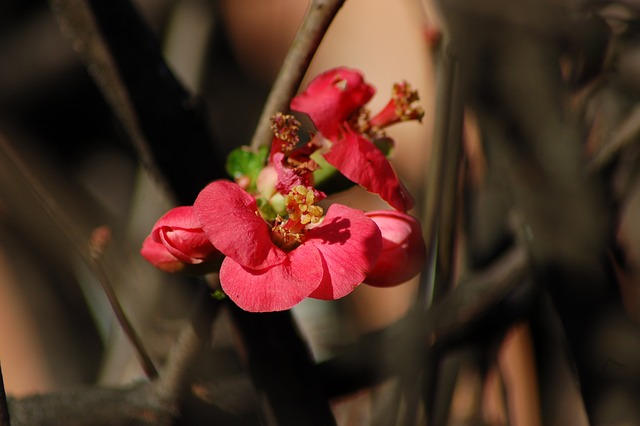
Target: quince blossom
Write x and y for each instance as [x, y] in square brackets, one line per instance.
[274, 266]
[178, 244]
[335, 102]
[277, 245]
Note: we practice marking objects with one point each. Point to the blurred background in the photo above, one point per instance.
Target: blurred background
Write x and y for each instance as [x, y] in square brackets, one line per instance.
[72, 190]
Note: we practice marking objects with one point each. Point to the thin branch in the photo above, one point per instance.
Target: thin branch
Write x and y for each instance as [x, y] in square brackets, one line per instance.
[98, 269]
[77, 24]
[191, 341]
[315, 25]
[81, 246]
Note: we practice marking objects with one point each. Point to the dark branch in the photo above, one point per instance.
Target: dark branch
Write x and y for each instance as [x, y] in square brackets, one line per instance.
[282, 367]
[5, 419]
[160, 117]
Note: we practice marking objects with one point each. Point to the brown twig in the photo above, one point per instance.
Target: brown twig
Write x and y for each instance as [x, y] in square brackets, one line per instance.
[160, 117]
[77, 23]
[190, 343]
[315, 25]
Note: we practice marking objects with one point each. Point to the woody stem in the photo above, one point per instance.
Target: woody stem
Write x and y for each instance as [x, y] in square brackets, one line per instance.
[315, 24]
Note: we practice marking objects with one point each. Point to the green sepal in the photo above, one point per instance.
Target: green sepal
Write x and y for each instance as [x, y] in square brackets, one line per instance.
[271, 208]
[266, 210]
[218, 294]
[243, 161]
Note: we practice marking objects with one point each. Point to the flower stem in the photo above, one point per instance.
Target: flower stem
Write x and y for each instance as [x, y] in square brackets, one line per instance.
[315, 24]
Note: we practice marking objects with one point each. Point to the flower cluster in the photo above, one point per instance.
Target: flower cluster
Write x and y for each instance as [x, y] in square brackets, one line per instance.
[272, 241]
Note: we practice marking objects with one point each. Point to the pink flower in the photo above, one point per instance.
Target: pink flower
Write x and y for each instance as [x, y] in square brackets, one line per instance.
[335, 102]
[272, 267]
[178, 244]
[403, 249]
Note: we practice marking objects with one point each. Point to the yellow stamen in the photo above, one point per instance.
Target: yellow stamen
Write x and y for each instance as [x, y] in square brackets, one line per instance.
[289, 234]
[300, 205]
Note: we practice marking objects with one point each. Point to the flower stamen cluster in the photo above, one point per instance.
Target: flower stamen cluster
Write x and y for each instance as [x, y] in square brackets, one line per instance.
[289, 233]
[301, 206]
[285, 128]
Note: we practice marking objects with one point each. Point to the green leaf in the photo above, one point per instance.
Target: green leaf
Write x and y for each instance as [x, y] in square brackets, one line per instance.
[243, 161]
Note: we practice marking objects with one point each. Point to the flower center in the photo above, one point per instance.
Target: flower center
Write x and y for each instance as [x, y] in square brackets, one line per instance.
[301, 206]
[300, 202]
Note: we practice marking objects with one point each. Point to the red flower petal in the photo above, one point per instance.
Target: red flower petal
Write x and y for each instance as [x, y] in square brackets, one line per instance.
[230, 219]
[276, 288]
[403, 248]
[287, 176]
[332, 97]
[188, 246]
[180, 232]
[363, 163]
[156, 254]
[350, 244]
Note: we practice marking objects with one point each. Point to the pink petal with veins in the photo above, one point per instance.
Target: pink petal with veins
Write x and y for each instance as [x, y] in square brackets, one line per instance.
[230, 219]
[350, 245]
[179, 232]
[276, 288]
[363, 163]
[403, 249]
[156, 254]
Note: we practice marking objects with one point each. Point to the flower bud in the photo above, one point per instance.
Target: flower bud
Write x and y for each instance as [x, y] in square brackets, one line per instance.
[178, 244]
[403, 248]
